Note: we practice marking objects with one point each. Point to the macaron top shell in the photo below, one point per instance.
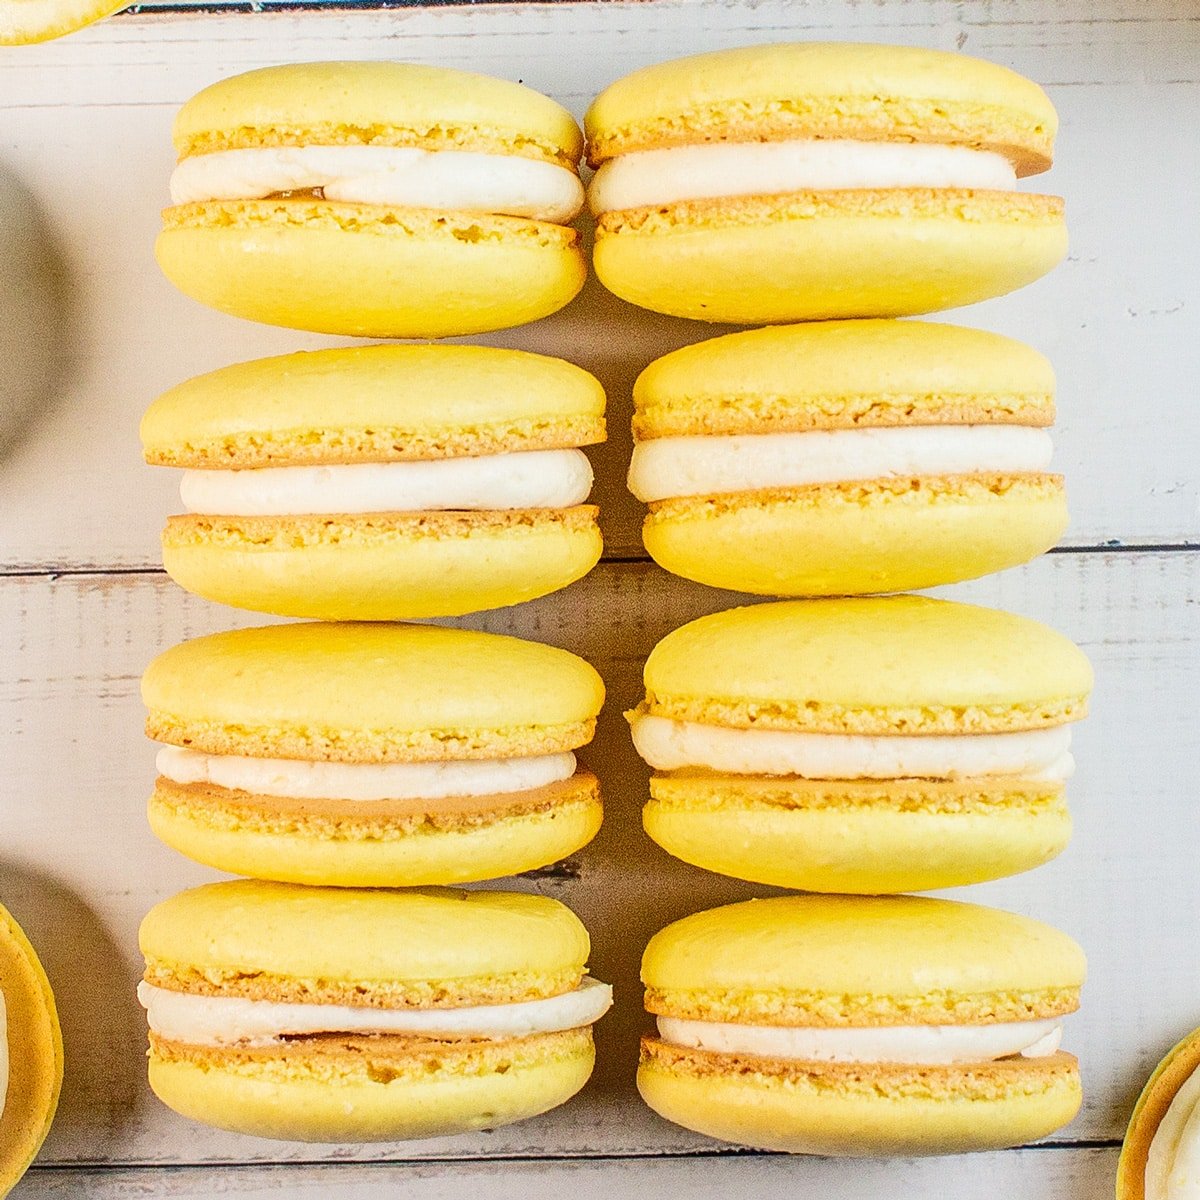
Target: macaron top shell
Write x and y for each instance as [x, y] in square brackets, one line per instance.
[798, 90]
[374, 404]
[861, 960]
[843, 375]
[881, 665]
[370, 693]
[423, 947]
[376, 103]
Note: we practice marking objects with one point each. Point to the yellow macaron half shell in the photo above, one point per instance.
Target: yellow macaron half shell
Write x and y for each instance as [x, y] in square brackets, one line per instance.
[807, 181]
[381, 482]
[23, 22]
[861, 1025]
[1159, 1158]
[861, 745]
[378, 199]
[32, 1048]
[372, 755]
[846, 457]
[365, 1015]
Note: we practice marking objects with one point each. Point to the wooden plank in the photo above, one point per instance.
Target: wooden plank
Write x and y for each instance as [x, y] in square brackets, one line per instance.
[1121, 318]
[1029, 1174]
[80, 867]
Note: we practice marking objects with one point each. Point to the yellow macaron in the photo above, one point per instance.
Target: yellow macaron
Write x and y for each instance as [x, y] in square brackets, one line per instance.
[379, 199]
[320, 1015]
[877, 745]
[811, 180]
[31, 1053]
[852, 1025]
[381, 482]
[1160, 1157]
[23, 22]
[846, 457]
[372, 755]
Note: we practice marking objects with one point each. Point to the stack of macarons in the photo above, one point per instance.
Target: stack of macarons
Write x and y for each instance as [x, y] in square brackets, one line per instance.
[342, 766]
[850, 741]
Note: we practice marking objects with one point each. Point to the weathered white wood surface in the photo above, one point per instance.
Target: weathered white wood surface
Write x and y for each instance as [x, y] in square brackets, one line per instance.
[1027, 1174]
[86, 130]
[84, 143]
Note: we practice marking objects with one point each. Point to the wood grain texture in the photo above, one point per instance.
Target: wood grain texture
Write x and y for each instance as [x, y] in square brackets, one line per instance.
[1028, 1174]
[80, 867]
[1121, 319]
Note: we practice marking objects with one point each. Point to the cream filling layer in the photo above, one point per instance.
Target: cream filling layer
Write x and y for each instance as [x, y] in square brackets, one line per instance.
[400, 176]
[651, 177]
[882, 1044]
[669, 745]
[702, 466]
[233, 1020]
[524, 479]
[297, 779]
[1173, 1163]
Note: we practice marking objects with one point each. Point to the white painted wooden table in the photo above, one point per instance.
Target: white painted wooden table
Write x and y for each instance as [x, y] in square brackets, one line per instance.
[84, 158]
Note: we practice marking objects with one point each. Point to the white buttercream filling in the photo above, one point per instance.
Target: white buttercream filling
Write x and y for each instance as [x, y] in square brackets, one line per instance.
[883, 1044]
[298, 779]
[702, 466]
[3, 1052]
[651, 177]
[1173, 1163]
[400, 176]
[524, 479]
[669, 745]
[232, 1020]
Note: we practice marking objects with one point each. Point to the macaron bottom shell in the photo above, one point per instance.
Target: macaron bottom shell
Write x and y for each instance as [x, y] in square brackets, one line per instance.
[898, 836]
[820, 255]
[859, 1110]
[381, 567]
[371, 1089]
[366, 270]
[858, 539]
[365, 850]
[35, 1067]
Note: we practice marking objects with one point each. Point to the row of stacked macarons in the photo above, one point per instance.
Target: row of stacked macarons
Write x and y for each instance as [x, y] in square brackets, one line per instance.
[766, 184]
[396, 482]
[842, 745]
